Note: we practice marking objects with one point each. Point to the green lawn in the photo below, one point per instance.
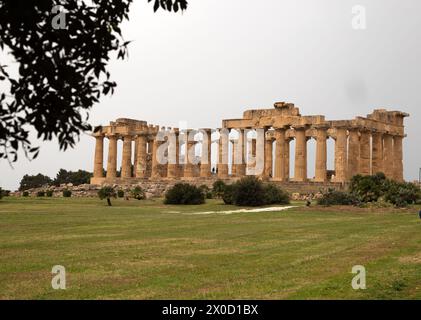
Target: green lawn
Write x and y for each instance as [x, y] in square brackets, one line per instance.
[147, 250]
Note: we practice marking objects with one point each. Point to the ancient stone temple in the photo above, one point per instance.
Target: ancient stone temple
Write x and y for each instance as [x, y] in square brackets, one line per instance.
[257, 144]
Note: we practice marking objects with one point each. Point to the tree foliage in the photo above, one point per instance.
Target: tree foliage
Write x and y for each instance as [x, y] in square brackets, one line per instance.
[74, 177]
[34, 181]
[62, 72]
[107, 193]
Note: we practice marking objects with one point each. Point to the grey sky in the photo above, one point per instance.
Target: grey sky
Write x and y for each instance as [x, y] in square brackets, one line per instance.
[222, 57]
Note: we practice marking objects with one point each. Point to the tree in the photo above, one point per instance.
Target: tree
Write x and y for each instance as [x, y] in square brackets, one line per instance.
[62, 54]
[107, 193]
[34, 181]
[74, 177]
[1, 193]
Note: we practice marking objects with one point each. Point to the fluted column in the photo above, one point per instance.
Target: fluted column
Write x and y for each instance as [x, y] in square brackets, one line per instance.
[300, 154]
[388, 156]
[156, 168]
[173, 154]
[234, 155]
[268, 157]
[377, 156]
[321, 155]
[240, 154]
[141, 157]
[280, 153]
[223, 153]
[398, 158]
[353, 153]
[205, 166]
[287, 158]
[99, 157]
[126, 163]
[341, 155]
[112, 157]
[365, 154]
[190, 154]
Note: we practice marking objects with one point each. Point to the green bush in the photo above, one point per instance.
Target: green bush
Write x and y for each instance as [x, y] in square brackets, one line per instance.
[376, 188]
[120, 193]
[402, 194]
[368, 188]
[107, 193]
[218, 188]
[1, 193]
[184, 193]
[275, 195]
[206, 191]
[67, 193]
[49, 193]
[333, 197]
[138, 193]
[25, 194]
[228, 195]
[249, 191]
[41, 194]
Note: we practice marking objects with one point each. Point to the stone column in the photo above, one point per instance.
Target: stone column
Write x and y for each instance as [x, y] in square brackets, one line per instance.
[205, 166]
[99, 157]
[240, 154]
[223, 153]
[365, 154]
[280, 154]
[172, 155]
[377, 156]
[321, 155]
[112, 157]
[126, 164]
[300, 154]
[353, 153]
[287, 160]
[398, 158]
[141, 156]
[156, 168]
[388, 156]
[234, 155]
[190, 154]
[135, 156]
[267, 173]
[341, 155]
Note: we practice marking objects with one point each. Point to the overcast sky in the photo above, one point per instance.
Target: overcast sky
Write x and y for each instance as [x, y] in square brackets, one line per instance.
[221, 57]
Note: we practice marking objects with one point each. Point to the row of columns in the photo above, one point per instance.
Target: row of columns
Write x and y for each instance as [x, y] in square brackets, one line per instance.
[357, 151]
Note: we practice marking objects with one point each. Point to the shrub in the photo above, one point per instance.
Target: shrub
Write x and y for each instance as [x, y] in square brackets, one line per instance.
[4, 193]
[333, 197]
[275, 195]
[402, 194]
[49, 193]
[67, 193]
[228, 196]
[218, 188]
[120, 193]
[25, 194]
[249, 191]
[41, 194]
[138, 193]
[206, 191]
[184, 193]
[368, 188]
[107, 193]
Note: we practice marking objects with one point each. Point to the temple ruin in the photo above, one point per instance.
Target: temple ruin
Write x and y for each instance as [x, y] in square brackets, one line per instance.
[364, 145]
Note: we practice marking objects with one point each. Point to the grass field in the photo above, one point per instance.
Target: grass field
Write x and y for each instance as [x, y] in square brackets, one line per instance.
[146, 250]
